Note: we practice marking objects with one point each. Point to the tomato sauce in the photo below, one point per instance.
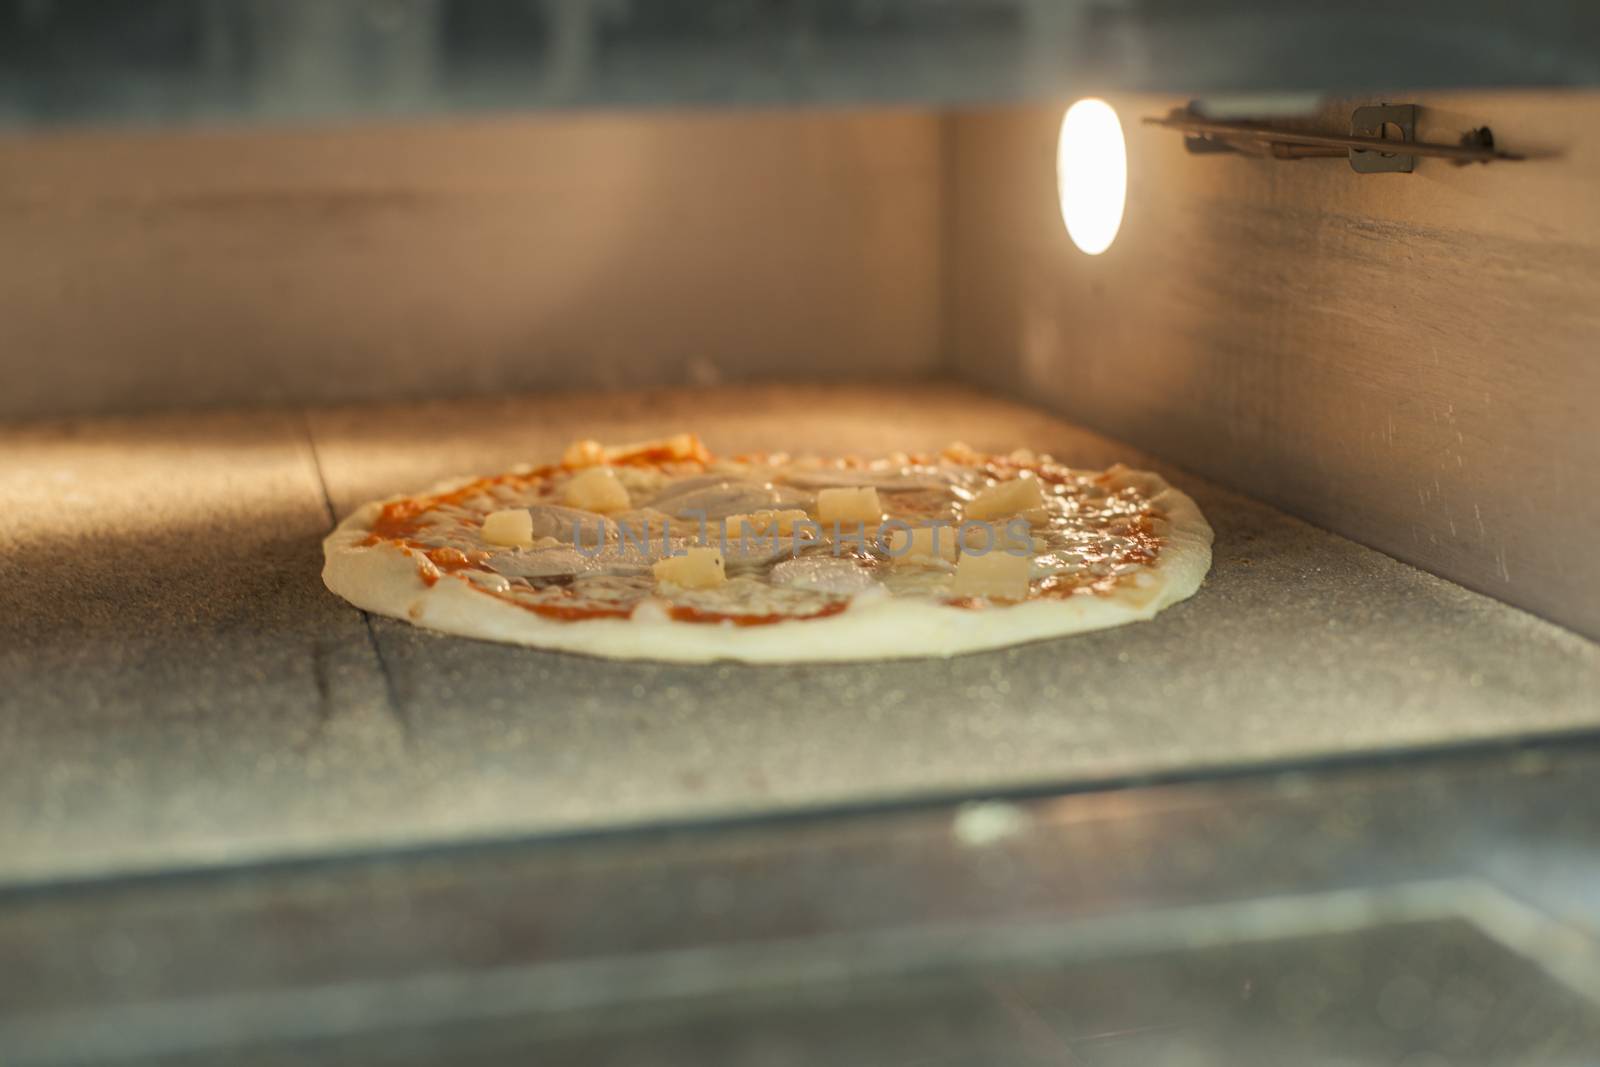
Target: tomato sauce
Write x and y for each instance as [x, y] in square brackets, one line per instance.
[685, 613]
[572, 612]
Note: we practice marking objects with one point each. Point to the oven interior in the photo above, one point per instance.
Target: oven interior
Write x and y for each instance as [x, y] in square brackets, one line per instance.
[263, 263]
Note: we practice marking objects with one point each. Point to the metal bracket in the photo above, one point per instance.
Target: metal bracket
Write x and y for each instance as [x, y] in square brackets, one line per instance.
[1373, 121]
[1368, 146]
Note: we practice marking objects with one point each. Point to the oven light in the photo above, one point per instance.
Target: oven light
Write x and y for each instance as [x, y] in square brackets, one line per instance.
[1092, 174]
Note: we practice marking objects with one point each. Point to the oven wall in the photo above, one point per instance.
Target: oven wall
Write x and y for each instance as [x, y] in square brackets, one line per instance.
[1410, 360]
[179, 269]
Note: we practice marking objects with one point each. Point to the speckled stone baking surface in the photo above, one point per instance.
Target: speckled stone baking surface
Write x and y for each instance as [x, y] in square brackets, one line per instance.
[180, 689]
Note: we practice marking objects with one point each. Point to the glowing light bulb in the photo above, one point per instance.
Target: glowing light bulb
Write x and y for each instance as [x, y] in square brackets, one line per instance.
[1092, 174]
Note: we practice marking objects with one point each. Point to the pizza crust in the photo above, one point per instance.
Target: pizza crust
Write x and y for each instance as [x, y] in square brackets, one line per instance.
[382, 578]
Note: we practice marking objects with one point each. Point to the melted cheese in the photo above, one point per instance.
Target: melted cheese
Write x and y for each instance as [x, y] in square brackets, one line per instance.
[765, 523]
[1087, 534]
[922, 543]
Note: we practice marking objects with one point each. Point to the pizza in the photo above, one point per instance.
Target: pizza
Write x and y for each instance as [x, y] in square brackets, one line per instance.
[663, 551]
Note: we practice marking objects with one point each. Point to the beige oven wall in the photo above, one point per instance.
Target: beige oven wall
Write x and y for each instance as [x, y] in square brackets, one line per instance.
[1410, 360]
[205, 268]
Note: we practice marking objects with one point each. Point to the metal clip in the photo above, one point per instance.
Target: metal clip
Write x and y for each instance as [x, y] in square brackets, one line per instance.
[1367, 145]
[1373, 121]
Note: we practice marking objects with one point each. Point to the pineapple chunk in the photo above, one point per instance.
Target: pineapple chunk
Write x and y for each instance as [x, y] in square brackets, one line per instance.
[584, 453]
[596, 489]
[961, 452]
[849, 505]
[923, 542]
[993, 574]
[1011, 536]
[698, 568]
[1007, 498]
[512, 527]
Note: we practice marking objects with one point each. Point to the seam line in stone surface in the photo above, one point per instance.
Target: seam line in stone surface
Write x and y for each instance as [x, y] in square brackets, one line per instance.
[390, 692]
